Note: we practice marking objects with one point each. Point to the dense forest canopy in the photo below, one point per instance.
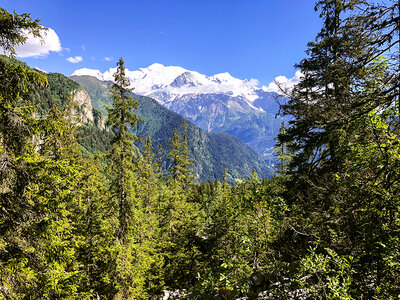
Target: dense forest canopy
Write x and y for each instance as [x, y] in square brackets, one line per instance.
[79, 225]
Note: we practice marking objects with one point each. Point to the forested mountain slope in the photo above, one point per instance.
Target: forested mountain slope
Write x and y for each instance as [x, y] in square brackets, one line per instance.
[212, 152]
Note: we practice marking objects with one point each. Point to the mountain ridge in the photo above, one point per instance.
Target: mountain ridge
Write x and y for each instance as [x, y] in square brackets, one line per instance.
[219, 102]
[213, 152]
[160, 77]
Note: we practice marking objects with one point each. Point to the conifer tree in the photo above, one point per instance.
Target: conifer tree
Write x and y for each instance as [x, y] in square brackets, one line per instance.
[333, 205]
[149, 190]
[322, 103]
[44, 243]
[16, 274]
[132, 252]
[148, 172]
[55, 173]
[179, 155]
[178, 216]
[120, 117]
[95, 224]
[283, 158]
[14, 30]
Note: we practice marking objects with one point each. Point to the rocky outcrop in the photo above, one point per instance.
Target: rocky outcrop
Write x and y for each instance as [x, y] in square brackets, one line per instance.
[83, 110]
[102, 123]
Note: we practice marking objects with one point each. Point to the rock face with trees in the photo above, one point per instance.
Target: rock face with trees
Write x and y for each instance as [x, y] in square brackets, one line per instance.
[115, 224]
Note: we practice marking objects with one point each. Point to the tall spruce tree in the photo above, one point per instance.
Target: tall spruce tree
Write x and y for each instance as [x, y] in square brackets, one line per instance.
[181, 162]
[323, 102]
[132, 261]
[120, 118]
[149, 190]
[323, 105]
[95, 224]
[178, 217]
[339, 199]
[16, 275]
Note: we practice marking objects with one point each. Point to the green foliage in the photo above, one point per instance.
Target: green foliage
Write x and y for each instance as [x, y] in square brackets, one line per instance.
[179, 155]
[60, 88]
[121, 154]
[14, 29]
[326, 275]
[93, 139]
[40, 192]
[238, 225]
[71, 230]
[342, 183]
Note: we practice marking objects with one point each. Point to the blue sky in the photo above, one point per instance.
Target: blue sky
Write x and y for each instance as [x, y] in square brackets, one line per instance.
[250, 39]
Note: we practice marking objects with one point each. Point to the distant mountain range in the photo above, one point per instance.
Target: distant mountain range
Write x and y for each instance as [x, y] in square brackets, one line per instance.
[218, 103]
[213, 152]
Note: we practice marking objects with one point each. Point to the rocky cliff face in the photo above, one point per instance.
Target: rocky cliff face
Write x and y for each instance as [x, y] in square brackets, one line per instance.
[84, 110]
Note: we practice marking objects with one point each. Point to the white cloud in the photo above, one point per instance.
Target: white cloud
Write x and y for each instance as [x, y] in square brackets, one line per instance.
[254, 82]
[283, 83]
[37, 47]
[90, 72]
[108, 58]
[75, 59]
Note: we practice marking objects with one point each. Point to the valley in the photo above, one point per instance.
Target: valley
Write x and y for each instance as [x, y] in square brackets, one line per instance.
[218, 103]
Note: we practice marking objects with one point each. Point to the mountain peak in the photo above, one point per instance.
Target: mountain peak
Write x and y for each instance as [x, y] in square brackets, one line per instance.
[160, 81]
[185, 79]
[155, 66]
[223, 77]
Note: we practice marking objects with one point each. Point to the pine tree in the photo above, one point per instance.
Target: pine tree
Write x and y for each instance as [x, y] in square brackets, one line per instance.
[283, 158]
[178, 217]
[342, 107]
[133, 251]
[120, 117]
[179, 155]
[12, 27]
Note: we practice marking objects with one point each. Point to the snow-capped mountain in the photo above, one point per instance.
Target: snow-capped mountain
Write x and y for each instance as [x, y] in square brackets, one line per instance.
[219, 102]
[175, 81]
